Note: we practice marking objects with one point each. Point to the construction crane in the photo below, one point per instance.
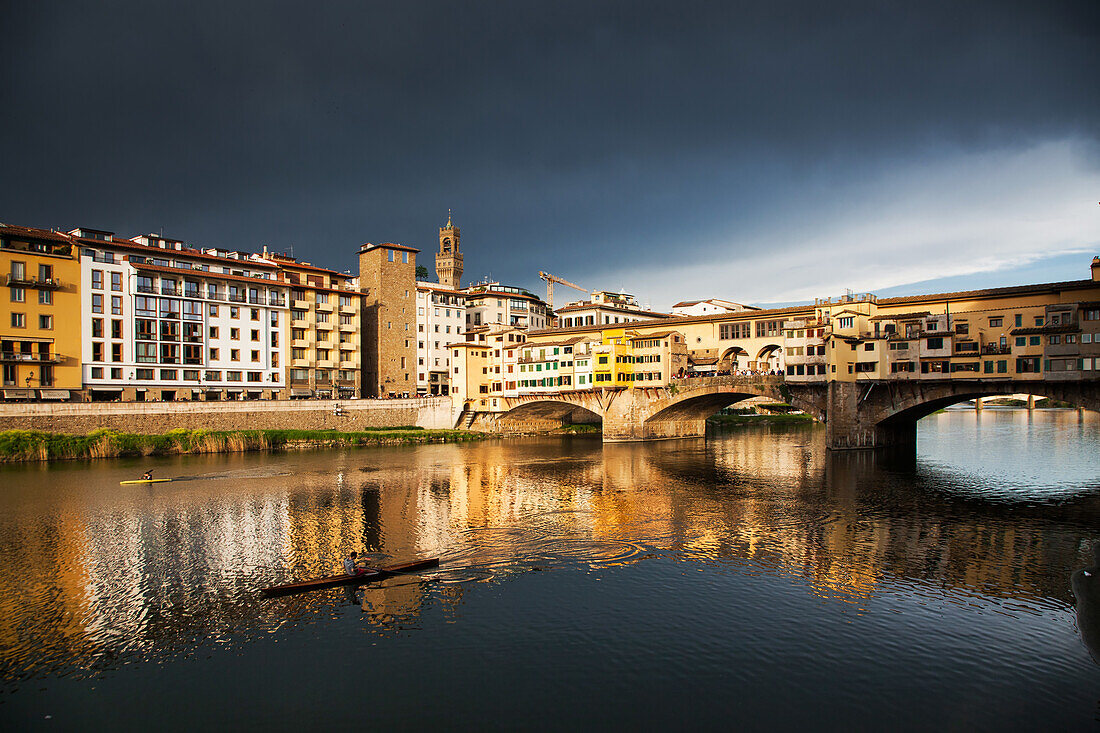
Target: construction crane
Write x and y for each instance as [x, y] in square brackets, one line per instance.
[550, 280]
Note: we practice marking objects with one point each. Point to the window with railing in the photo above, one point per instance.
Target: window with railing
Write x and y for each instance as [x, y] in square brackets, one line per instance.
[169, 308]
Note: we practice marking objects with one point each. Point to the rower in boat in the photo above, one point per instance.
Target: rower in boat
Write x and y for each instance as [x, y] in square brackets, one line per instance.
[352, 566]
[147, 476]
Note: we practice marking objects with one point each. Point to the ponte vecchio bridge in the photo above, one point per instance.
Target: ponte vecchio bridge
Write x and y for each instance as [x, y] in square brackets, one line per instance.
[871, 414]
[867, 368]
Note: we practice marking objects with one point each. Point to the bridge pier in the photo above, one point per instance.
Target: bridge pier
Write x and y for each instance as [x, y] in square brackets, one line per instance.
[849, 424]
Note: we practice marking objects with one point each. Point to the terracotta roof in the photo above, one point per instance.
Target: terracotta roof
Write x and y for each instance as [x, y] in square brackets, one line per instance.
[421, 285]
[283, 264]
[387, 245]
[658, 335]
[902, 316]
[203, 273]
[32, 233]
[606, 306]
[128, 245]
[1035, 330]
[993, 292]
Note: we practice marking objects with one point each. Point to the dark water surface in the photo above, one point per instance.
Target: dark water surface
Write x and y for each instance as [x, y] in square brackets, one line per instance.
[752, 581]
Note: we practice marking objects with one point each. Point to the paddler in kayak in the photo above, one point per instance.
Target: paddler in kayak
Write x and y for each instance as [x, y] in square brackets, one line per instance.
[351, 564]
[147, 476]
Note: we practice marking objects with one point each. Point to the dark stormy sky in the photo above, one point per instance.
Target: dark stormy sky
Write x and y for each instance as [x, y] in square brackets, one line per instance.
[760, 152]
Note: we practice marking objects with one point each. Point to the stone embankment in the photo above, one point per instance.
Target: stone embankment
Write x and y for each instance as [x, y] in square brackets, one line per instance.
[152, 418]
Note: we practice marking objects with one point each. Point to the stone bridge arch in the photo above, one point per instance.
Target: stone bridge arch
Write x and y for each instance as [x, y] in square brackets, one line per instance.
[681, 410]
[885, 414]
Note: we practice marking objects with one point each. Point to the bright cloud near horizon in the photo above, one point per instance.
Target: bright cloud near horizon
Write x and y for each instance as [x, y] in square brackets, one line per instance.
[759, 152]
[945, 217]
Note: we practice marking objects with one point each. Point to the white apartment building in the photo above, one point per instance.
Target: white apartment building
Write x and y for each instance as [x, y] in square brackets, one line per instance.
[440, 320]
[493, 304]
[708, 307]
[165, 322]
[605, 307]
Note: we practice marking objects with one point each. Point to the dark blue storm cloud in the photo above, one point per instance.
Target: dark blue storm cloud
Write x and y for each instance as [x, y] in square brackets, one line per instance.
[605, 140]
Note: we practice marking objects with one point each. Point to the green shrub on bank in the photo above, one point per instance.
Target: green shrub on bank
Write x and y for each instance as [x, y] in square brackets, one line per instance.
[34, 445]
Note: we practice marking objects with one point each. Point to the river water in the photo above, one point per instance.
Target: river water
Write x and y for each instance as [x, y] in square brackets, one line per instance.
[750, 581]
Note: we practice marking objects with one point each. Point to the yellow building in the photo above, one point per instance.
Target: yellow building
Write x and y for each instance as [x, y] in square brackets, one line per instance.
[40, 325]
[325, 331]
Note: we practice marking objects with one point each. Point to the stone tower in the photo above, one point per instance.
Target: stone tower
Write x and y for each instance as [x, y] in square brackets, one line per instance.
[387, 280]
[448, 260]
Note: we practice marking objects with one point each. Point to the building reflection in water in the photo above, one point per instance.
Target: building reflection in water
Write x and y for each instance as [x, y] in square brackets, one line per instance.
[93, 571]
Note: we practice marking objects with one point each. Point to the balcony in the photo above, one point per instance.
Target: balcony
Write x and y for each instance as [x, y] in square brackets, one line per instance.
[326, 307]
[29, 358]
[299, 323]
[348, 310]
[46, 283]
[324, 325]
[348, 327]
[302, 305]
[348, 346]
[300, 363]
[147, 289]
[170, 290]
[300, 343]
[236, 297]
[276, 300]
[349, 364]
[992, 350]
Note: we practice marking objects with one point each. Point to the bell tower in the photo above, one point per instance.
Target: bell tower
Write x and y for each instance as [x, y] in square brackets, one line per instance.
[448, 260]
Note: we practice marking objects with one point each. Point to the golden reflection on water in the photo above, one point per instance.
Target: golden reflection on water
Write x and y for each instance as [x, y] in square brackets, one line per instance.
[92, 571]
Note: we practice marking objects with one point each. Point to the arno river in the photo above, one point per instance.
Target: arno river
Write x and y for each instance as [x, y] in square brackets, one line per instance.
[751, 581]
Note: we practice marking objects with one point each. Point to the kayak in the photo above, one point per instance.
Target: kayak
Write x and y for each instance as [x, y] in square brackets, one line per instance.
[368, 576]
[145, 481]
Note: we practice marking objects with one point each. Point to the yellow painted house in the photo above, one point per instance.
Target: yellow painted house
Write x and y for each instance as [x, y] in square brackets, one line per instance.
[40, 322]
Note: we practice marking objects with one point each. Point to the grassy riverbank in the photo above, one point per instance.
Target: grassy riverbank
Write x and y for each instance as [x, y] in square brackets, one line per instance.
[32, 445]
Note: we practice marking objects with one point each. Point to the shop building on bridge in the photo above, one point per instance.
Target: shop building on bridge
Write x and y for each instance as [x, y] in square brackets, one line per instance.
[1031, 332]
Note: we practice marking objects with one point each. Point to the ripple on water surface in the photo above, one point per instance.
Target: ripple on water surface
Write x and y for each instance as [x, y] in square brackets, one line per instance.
[739, 557]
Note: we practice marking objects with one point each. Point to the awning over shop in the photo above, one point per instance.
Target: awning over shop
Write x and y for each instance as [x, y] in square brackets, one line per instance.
[18, 394]
[301, 393]
[234, 390]
[324, 392]
[54, 394]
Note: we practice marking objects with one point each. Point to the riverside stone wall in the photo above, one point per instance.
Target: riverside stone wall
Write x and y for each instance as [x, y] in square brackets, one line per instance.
[160, 417]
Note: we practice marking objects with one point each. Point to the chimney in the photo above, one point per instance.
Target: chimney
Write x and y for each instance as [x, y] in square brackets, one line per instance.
[1096, 269]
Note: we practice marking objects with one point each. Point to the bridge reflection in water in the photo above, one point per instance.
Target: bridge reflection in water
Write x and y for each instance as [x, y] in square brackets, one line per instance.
[91, 572]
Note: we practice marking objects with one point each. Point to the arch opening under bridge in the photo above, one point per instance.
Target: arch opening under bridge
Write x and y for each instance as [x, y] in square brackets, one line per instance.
[540, 413]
